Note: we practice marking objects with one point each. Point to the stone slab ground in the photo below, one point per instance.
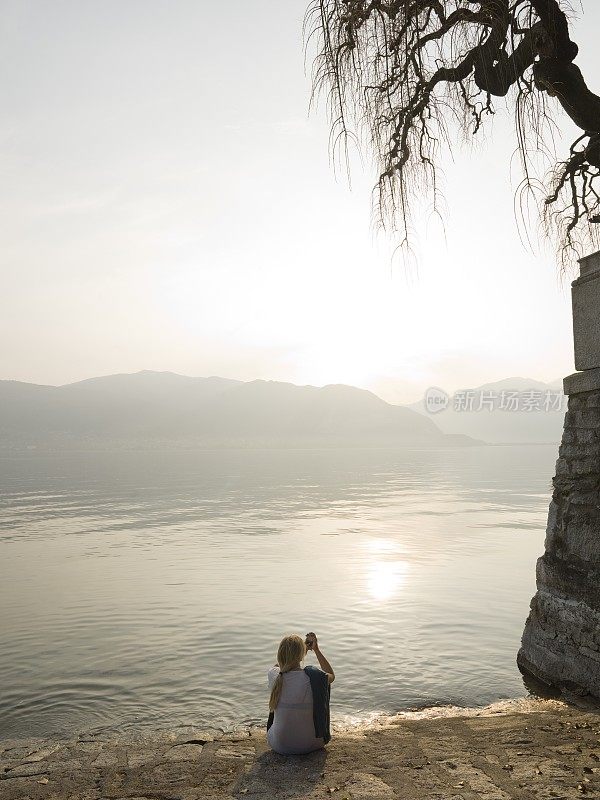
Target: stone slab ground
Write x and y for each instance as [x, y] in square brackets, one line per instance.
[550, 753]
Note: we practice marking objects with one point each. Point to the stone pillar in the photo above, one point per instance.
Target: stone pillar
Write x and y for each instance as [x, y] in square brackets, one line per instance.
[561, 641]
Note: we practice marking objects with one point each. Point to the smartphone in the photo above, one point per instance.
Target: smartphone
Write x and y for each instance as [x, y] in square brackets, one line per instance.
[308, 643]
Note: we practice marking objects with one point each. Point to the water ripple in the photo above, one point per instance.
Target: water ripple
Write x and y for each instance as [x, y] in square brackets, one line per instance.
[146, 589]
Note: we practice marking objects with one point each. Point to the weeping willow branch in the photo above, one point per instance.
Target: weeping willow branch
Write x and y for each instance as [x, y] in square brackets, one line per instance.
[408, 73]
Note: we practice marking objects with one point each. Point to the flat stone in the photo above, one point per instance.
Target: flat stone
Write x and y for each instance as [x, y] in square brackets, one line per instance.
[590, 263]
[235, 752]
[364, 786]
[196, 737]
[549, 750]
[70, 765]
[40, 755]
[108, 758]
[192, 794]
[26, 770]
[585, 381]
[138, 758]
[183, 752]
[89, 748]
[254, 787]
[19, 752]
[585, 294]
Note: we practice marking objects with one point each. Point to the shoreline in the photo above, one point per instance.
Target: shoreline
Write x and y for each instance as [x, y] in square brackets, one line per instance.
[340, 723]
[528, 748]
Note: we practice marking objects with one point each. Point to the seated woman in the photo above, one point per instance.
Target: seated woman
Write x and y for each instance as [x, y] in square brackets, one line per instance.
[299, 704]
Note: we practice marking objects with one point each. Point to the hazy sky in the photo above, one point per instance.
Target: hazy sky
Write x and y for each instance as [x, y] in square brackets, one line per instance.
[167, 203]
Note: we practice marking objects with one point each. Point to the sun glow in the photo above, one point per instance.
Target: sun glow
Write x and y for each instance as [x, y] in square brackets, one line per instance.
[387, 573]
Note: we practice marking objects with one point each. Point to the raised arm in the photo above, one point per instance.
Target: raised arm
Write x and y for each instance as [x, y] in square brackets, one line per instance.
[313, 644]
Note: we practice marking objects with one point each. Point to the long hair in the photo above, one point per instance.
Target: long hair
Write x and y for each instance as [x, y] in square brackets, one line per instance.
[291, 651]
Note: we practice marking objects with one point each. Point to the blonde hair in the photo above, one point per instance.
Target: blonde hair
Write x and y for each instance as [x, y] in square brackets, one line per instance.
[290, 652]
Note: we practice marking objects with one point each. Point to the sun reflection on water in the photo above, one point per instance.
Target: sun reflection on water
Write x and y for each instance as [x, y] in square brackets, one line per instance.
[386, 574]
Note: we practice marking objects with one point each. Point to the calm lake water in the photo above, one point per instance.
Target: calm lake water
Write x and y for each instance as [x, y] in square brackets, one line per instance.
[151, 589]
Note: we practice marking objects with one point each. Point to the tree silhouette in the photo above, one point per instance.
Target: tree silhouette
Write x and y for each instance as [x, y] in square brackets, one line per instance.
[408, 72]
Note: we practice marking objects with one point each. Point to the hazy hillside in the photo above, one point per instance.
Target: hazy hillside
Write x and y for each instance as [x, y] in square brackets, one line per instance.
[152, 408]
[508, 411]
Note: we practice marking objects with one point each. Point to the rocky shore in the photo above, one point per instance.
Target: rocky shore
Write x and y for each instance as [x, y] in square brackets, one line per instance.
[521, 750]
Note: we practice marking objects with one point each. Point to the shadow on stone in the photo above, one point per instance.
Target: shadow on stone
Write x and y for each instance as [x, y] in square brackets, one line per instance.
[538, 688]
[274, 775]
[544, 691]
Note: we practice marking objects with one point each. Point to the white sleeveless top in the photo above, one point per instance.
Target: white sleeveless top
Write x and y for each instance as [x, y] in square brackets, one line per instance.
[293, 729]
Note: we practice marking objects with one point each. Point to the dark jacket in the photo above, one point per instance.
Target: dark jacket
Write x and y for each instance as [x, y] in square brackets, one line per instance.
[321, 692]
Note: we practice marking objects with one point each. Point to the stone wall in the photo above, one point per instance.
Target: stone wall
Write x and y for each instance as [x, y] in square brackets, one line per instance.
[561, 641]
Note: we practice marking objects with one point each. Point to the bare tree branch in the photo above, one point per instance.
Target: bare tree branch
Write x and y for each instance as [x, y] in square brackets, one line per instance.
[408, 72]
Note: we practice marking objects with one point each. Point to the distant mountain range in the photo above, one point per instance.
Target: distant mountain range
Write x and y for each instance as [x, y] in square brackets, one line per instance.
[513, 410]
[152, 409]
